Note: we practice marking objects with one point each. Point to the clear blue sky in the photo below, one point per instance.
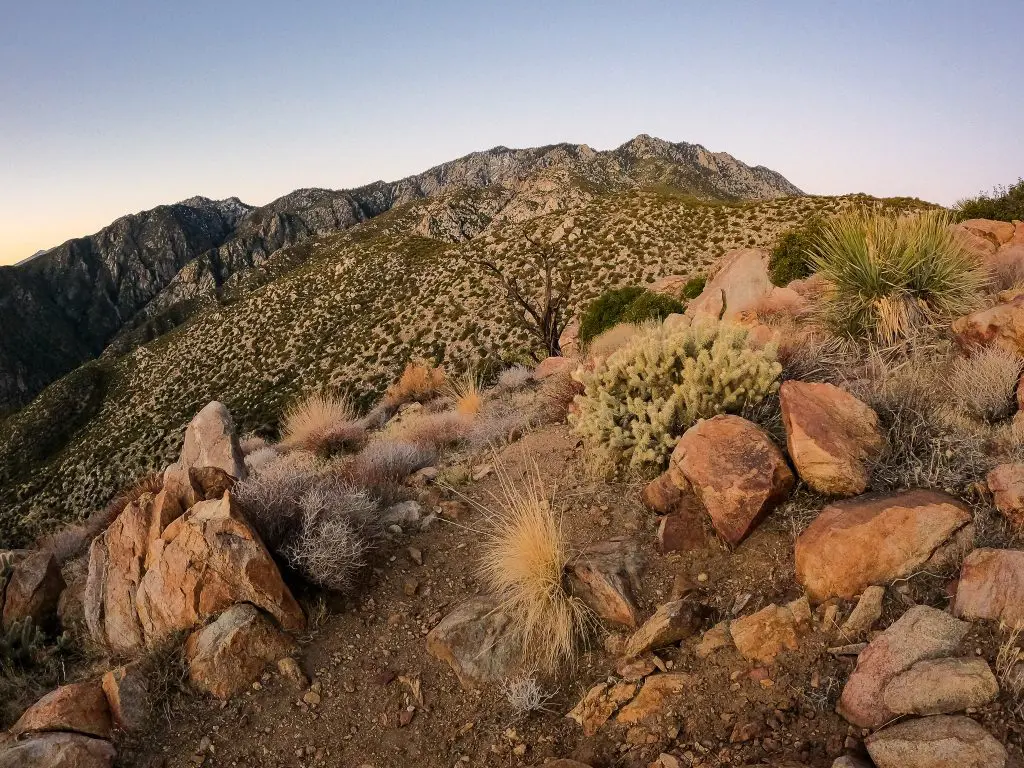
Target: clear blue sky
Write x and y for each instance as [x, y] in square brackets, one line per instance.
[112, 107]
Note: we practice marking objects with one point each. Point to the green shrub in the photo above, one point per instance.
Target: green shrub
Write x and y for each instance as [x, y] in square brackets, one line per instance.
[891, 276]
[651, 306]
[638, 401]
[791, 258]
[1004, 204]
[694, 287]
[606, 310]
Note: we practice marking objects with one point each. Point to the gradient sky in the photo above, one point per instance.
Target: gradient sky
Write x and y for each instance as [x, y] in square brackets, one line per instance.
[109, 107]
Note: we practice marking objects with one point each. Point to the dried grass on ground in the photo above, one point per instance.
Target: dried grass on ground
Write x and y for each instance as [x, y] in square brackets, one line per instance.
[524, 553]
[984, 383]
[323, 424]
[418, 382]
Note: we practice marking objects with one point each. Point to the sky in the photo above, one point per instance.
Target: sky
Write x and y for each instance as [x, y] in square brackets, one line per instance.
[108, 108]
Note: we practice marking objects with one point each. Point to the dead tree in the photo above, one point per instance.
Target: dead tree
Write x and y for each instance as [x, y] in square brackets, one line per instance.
[541, 313]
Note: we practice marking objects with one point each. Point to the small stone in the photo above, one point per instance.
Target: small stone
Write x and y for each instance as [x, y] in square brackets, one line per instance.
[866, 613]
[292, 672]
[409, 587]
[311, 697]
[714, 639]
[669, 624]
[415, 554]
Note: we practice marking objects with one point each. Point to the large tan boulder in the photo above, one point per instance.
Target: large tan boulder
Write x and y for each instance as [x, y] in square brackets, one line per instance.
[474, 640]
[78, 707]
[991, 586]
[204, 562]
[33, 590]
[941, 741]
[128, 695]
[1001, 326]
[739, 285]
[941, 687]
[877, 538]
[227, 656]
[920, 633]
[58, 750]
[831, 435]
[1006, 482]
[210, 441]
[735, 470]
[996, 232]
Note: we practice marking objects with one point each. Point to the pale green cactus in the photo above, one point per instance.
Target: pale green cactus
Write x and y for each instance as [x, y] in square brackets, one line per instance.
[638, 401]
[22, 642]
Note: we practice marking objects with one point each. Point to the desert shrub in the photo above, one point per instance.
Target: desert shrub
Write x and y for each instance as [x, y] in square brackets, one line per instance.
[694, 287]
[639, 400]
[439, 430]
[251, 443]
[258, 459]
[888, 276]
[651, 306]
[613, 339]
[525, 695]
[418, 382]
[1003, 204]
[516, 377]
[791, 257]
[270, 496]
[524, 553]
[607, 310]
[984, 384]
[554, 398]
[466, 392]
[321, 423]
[383, 465]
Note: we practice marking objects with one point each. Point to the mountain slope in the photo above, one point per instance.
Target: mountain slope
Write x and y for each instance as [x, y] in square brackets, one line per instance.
[346, 311]
[147, 272]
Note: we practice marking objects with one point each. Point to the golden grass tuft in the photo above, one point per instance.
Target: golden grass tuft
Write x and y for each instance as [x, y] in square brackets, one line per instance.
[467, 394]
[305, 421]
[418, 382]
[985, 383]
[525, 551]
[1010, 669]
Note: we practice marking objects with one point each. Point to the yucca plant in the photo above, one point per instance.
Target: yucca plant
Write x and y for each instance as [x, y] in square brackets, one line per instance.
[890, 276]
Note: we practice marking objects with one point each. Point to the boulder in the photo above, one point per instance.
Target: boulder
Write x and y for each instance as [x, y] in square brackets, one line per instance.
[740, 283]
[1001, 326]
[941, 687]
[940, 741]
[600, 704]
[227, 656]
[204, 562]
[877, 538]
[569, 340]
[474, 641]
[714, 639]
[995, 232]
[831, 435]
[210, 441]
[683, 530]
[735, 471]
[991, 586]
[654, 697]
[867, 611]
[552, 366]
[670, 623]
[921, 633]
[606, 576]
[1006, 482]
[33, 590]
[661, 495]
[58, 750]
[850, 762]
[762, 636]
[128, 696]
[77, 707]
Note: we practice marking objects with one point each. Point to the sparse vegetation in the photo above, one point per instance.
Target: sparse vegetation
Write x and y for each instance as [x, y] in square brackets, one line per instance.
[639, 400]
[1003, 204]
[321, 423]
[606, 311]
[791, 258]
[985, 383]
[891, 276]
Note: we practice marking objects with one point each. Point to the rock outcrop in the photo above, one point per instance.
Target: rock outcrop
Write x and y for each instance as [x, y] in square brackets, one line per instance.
[877, 538]
[32, 591]
[991, 586]
[77, 707]
[941, 741]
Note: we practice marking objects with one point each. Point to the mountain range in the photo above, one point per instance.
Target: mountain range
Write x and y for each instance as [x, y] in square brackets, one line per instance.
[147, 272]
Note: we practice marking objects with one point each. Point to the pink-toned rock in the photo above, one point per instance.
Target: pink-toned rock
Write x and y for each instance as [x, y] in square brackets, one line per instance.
[128, 695]
[877, 538]
[735, 470]
[475, 642]
[940, 741]
[33, 590]
[569, 340]
[551, 366]
[226, 657]
[1001, 326]
[606, 576]
[739, 285]
[661, 495]
[941, 687]
[1006, 482]
[683, 530]
[203, 563]
[669, 285]
[991, 586]
[996, 232]
[1007, 263]
[832, 436]
[921, 633]
[762, 636]
[210, 441]
[655, 697]
[78, 707]
[58, 750]
[1018, 234]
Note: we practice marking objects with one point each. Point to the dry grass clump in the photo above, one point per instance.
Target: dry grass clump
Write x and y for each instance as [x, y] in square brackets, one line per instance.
[418, 382]
[270, 496]
[260, 458]
[382, 467]
[1010, 669]
[323, 424]
[516, 377]
[613, 339]
[891, 276]
[984, 384]
[251, 444]
[440, 430]
[525, 552]
[467, 394]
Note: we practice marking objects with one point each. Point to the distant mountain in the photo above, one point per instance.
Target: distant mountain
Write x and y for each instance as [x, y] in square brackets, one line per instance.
[149, 271]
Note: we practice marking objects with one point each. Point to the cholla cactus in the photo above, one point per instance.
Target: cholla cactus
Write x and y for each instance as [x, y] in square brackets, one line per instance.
[23, 642]
[638, 401]
[6, 566]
